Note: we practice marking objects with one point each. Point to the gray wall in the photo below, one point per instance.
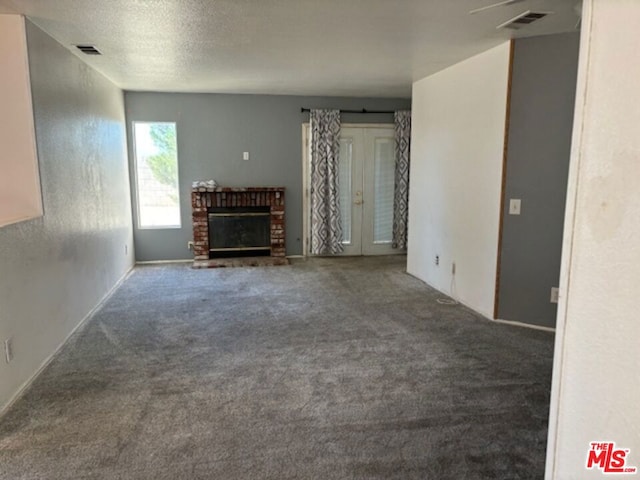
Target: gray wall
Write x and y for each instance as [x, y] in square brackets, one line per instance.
[542, 104]
[213, 130]
[57, 268]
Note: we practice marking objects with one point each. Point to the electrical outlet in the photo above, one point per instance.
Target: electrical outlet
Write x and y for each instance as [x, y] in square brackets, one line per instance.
[453, 268]
[554, 294]
[245, 155]
[437, 260]
[8, 349]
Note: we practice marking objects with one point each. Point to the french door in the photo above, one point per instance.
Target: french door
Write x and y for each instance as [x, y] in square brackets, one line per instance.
[366, 182]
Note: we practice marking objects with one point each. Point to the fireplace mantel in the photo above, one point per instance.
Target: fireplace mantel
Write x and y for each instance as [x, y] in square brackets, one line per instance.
[205, 198]
[237, 189]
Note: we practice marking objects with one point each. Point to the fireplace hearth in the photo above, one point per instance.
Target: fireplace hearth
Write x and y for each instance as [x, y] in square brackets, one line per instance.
[238, 222]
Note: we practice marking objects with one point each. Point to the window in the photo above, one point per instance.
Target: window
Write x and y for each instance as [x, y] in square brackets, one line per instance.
[156, 158]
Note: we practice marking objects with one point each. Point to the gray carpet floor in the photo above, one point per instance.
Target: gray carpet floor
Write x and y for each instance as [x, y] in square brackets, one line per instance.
[342, 368]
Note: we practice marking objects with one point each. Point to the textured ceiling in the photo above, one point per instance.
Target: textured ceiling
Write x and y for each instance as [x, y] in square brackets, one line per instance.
[306, 47]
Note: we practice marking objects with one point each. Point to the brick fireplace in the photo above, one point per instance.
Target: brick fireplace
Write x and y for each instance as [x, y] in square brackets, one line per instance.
[207, 202]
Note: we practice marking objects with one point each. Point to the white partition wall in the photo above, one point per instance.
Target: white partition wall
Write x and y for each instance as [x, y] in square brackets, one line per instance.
[596, 378]
[20, 197]
[458, 131]
[56, 268]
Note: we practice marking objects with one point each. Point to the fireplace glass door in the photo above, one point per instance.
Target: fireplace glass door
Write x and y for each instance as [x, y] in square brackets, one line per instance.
[239, 231]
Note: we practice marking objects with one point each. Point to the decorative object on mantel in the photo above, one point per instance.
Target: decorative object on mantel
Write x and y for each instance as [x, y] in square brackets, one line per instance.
[363, 111]
[234, 222]
[207, 185]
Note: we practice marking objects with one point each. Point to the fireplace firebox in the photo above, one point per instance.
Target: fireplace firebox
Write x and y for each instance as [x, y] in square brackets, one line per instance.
[240, 231]
[237, 222]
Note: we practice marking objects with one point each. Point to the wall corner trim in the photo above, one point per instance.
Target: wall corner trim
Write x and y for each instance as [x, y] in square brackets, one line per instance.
[503, 184]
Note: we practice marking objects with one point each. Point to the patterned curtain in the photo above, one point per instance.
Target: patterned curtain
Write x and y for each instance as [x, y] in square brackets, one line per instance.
[326, 226]
[401, 193]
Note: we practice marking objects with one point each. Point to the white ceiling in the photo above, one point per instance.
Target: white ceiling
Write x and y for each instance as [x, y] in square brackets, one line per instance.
[303, 47]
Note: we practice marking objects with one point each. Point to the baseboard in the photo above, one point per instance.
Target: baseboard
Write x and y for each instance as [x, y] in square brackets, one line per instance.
[525, 325]
[16, 396]
[160, 262]
[505, 322]
[449, 295]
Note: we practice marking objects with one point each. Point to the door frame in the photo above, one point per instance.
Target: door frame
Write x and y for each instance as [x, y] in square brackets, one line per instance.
[306, 159]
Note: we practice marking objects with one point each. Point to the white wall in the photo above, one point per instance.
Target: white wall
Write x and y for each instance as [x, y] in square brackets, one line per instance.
[55, 269]
[19, 183]
[596, 378]
[458, 126]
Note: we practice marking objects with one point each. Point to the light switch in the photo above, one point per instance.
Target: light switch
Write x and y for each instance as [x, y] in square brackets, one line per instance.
[514, 206]
[245, 155]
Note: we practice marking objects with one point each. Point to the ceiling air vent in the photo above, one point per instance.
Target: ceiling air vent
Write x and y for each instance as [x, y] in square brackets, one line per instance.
[524, 19]
[88, 49]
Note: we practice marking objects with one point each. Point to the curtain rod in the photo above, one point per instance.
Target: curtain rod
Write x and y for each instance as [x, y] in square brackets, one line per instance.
[364, 110]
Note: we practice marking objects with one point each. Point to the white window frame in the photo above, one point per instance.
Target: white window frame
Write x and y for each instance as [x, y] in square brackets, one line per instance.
[135, 179]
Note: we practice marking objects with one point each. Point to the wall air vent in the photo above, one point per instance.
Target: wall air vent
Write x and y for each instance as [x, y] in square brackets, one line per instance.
[524, 19]
[88, 49]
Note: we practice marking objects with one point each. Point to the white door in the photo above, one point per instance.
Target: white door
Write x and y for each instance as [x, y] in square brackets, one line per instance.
[378, 191]
[367, 169]
[351, 186]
